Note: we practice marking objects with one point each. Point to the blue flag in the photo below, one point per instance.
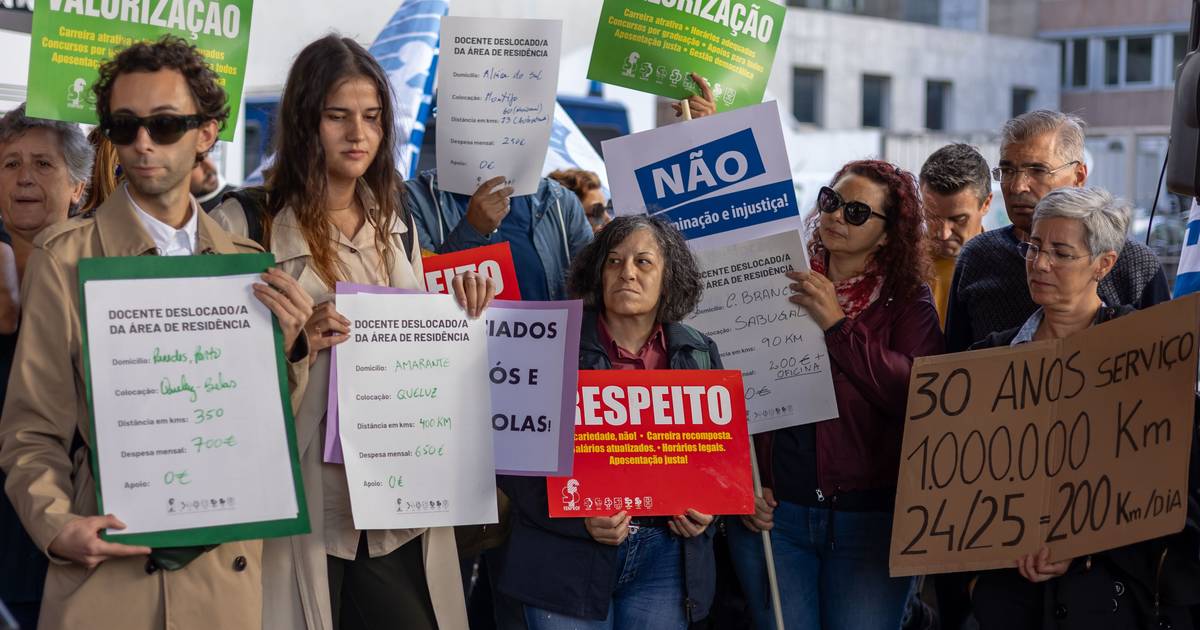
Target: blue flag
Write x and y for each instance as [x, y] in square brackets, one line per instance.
[1187, 279]
[407, 49]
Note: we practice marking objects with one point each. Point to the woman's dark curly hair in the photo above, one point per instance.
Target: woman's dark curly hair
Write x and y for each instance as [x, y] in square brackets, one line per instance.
[681, 285]
[171, 53]
[904, 258]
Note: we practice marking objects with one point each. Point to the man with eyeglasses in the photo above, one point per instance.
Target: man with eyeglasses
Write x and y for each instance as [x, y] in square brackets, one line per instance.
[956, 190]
[1040, 151]
[160, 105]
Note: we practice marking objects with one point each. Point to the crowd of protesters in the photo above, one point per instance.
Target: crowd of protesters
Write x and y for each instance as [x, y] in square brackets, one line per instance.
[901, 268]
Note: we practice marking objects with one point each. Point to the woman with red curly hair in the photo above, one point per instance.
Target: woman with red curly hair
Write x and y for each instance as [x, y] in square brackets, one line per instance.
[829, 487]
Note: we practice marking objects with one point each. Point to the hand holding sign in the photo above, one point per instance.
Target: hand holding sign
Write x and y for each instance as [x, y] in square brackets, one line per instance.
[489, 205]
[700, 105]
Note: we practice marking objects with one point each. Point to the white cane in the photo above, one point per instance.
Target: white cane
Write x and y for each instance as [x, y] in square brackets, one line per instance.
[772, 580]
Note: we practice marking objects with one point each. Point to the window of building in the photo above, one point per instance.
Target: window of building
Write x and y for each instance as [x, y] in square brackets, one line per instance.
[1074, 62]
[1112, 61]
[1022, 98]
[937, 105]
[1179, 48]
[1139, 60]
[807, 88]
[876, 97]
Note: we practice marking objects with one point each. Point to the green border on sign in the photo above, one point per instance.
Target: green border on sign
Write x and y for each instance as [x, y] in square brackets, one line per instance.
[144, 267]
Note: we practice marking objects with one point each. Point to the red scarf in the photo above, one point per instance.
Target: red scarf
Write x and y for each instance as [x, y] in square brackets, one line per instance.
[857, 293]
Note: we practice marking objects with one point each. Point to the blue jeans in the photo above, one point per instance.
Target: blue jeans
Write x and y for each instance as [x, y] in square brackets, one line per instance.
[832, 570]
[649, 593]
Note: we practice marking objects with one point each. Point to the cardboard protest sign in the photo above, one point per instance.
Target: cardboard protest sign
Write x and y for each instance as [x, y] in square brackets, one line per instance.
[490, 261]
[777, 346]
[497, 84]
[1078, 444]
[720, 179]
[655, 443]
[71, 39]
[654, 46]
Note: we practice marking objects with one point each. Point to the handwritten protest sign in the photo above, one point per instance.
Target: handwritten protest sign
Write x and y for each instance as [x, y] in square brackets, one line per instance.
[533, 351]
[497, 80]
[187, 388]
[1078, 444]
[656, 443]
[410, 397]
[533, 358]
[72, 38]
[491, 261]
[654, 46]
[719, 179]
[779, 349]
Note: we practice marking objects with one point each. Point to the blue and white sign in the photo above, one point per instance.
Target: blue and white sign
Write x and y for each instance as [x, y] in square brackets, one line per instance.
[718, 179]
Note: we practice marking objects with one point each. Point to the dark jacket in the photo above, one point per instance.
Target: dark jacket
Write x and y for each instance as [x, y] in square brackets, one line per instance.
[1113, 589]
[553, 563]
[870, 357]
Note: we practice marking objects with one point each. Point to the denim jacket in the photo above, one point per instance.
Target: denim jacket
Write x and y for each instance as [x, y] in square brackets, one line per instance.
[560, 228]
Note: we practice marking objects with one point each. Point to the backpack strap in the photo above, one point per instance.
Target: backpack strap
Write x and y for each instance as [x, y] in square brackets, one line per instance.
[254, 203]
[405, 214]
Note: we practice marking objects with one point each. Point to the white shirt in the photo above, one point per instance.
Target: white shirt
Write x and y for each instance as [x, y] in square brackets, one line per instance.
[168, 240]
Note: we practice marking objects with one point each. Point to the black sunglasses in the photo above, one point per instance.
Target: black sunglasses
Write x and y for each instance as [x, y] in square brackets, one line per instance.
[164, 129]
[855, 212]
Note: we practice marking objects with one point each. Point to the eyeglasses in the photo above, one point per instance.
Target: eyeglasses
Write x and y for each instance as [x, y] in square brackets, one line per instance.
[1031, 252]
[855, 212]
[164, 129]
[1036, 173]
[598, 213]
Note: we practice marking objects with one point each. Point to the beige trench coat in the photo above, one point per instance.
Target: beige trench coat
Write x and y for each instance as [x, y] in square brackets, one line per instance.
[296, 583]
[49, 488]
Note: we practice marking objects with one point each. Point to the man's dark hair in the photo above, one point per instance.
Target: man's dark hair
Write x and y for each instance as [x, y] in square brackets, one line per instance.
[954, 167]
[170, 53]
[681, 285]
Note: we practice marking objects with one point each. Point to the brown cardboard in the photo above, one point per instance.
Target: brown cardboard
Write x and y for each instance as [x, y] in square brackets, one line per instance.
[1110, 410]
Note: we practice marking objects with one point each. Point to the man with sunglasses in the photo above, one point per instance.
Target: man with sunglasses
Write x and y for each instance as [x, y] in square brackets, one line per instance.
[161, 107]
[1040, 151]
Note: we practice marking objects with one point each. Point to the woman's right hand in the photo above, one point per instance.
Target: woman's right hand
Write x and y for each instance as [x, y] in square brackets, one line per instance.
[325, 329]
[609, 530]
[763, 518]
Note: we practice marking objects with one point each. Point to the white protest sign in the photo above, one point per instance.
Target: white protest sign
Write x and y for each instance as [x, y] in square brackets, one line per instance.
[534, 357]
[413, 407]
[777, 346]
[189, 423]
[497, 81]
[719, 179]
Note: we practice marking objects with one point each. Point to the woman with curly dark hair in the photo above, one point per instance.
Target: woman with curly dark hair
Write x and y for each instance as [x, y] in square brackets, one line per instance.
[829, 487]
[637, 280]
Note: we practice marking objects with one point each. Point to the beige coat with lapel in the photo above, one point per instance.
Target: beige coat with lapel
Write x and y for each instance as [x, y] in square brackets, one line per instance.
[296, 586]
[49, 487]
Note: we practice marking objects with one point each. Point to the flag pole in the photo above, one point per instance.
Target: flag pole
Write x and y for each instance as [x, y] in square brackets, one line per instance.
[685, 109]
[768, 552]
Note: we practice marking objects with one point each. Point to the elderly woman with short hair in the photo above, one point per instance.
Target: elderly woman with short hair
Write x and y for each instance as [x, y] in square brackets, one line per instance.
[1073, 244]
[45, 166]
[637, 281]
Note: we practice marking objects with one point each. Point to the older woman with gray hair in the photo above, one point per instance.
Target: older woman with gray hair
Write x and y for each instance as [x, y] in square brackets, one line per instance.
[45, 166]
[637, 281]
[1073, 244]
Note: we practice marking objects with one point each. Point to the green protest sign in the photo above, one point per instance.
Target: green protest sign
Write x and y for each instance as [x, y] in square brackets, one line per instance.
[72, 38]
[654, 45]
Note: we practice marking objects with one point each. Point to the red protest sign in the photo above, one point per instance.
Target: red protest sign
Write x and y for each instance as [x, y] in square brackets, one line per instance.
[655, 443]
[491, 261]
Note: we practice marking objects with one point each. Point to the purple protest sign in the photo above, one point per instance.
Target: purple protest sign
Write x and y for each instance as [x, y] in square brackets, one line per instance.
[533, 408]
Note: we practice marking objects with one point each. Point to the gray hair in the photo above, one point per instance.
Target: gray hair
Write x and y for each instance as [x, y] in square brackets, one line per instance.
[1105, 218]
[1069, 128]
[77, 152]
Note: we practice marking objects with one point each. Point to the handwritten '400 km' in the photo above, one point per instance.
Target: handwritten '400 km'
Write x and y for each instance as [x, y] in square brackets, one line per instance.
[1020, 455]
